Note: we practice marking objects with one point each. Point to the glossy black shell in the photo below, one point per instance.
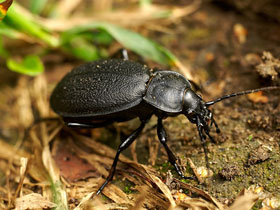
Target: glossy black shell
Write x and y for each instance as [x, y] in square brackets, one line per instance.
[166, 91]
[100, 88]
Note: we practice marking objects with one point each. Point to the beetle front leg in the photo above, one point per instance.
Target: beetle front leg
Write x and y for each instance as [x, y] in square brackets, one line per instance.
[203, 141]
[171, 157]
[125, 144]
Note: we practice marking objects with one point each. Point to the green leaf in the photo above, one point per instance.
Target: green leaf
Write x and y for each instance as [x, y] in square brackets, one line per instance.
[101, 37]
[82, 49]
[31, 65]
[29, 26]
[128, 39]
[8, 31]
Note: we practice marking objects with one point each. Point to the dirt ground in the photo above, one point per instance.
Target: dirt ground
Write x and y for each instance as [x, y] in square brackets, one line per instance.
[224, 49]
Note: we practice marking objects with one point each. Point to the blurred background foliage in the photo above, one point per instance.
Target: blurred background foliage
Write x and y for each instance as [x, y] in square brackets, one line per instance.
[82, 29]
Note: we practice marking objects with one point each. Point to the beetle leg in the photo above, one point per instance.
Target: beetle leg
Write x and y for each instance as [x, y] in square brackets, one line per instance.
[207, 131]
[216, 125]
[86, 125]
[125, 144]
[210, 137]
[124, 54]
[171, 157]
[203, 140]
[120, 54]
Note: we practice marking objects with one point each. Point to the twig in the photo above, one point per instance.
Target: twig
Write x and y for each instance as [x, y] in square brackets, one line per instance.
[195, 170]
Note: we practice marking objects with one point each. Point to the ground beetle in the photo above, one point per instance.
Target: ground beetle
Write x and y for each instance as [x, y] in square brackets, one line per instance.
[115, 90]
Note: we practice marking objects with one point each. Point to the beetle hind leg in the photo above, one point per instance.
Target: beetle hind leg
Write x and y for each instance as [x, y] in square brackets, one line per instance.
[125, 54]
[121, 53]
[171, 157]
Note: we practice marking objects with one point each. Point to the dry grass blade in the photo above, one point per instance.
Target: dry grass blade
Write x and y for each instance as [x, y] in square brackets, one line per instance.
[39, 91]
[98, 205]
[65, 7]
[97, 147]
[126, 17]
[139, 202]
[165, 190]
[116, 194]
[244, 201]
[50, 165]
[149, 174]
[186, 71]
[23, 103]
[193, 167]
[196, 204]
[179, 12]
[153, 198]
[101, 6]
[84, 200]
[33, 201]
[200, 192]
[58, 189]
[23, 170]
[8, 152]
[153, 151]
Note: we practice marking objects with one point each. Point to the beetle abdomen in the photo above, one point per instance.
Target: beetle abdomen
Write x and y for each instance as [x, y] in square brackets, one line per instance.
[100, 88]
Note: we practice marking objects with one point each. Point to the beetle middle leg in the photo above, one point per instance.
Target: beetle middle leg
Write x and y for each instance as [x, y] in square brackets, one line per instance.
[171, 157]
[125, 144]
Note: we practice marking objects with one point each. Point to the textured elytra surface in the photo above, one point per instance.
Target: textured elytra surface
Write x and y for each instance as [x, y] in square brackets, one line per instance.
[166, 91]
[100, 87]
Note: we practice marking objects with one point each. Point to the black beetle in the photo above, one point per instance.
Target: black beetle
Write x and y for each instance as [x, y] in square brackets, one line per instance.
[98, 93]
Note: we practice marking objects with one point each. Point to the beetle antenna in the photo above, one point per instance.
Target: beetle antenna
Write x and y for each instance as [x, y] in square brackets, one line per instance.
[209, 103]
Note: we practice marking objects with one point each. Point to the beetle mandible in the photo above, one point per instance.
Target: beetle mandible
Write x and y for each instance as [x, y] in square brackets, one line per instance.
[115, 90]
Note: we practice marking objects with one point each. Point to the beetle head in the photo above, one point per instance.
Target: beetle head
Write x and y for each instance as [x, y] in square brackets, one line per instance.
[195, 109]
[194, 106]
